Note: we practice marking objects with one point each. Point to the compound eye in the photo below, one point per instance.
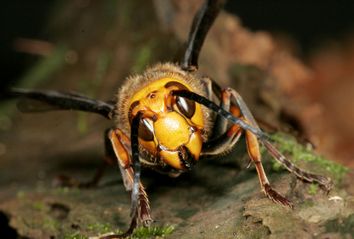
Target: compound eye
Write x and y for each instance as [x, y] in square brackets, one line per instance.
[146, 131]
[185, 106]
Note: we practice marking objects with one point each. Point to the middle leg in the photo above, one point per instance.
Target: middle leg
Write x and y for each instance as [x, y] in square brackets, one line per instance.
[227, 141]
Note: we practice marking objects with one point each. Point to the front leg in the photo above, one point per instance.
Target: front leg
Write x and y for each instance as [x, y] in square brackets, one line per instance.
[140, 214]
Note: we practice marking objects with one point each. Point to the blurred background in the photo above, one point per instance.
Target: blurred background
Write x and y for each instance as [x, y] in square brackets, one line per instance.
[307, 46]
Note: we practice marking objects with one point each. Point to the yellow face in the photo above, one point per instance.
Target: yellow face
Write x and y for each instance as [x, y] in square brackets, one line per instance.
[172, 129]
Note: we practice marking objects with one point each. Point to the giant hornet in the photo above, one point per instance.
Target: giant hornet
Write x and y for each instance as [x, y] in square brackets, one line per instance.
[169, 117]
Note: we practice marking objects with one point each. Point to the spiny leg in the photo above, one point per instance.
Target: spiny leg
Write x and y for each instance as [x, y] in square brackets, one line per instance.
[252, 131]
[324, 182]
[202, 22]
[253, 148]
[140, 208]
[255, 155]
[251, 128]
[223, 144]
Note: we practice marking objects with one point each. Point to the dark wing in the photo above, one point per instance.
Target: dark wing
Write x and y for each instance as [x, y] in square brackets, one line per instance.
[202, 22]
[45, 100]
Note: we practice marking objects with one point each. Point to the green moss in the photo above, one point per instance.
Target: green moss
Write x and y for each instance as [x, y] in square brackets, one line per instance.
[307, 203]
[40, 206]
[154, 231]
[101, 228]
[75, 235]
[299, 153]
[276, 166]
[139, 233]
[92, 229]
[51, 224]
[344, 226]
[313, 189]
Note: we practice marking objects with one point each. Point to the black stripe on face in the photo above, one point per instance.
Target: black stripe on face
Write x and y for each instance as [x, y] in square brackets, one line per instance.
[186, 157]
[132, 106]
[175, 84]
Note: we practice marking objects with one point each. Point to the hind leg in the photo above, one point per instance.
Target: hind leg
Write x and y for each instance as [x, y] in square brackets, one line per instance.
[227, 140]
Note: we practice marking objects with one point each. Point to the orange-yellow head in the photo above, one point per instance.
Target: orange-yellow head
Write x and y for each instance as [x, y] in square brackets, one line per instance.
[171, 127]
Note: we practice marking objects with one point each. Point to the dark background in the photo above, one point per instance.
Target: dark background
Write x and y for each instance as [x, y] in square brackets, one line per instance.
[310, 23]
